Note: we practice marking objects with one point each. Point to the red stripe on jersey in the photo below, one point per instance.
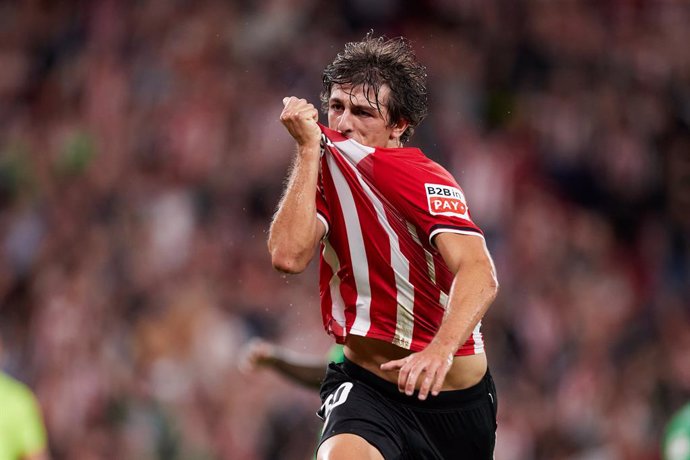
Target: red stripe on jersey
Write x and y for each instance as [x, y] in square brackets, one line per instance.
[336, 254]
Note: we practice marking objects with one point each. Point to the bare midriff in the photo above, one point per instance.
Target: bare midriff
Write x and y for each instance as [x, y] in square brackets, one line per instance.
[368, 353]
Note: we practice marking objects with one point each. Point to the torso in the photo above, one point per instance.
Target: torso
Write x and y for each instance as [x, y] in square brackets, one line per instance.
[465, 372]
[383, 285]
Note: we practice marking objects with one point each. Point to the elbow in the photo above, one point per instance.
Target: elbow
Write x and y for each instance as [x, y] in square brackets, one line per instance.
[489, 282]
[493, 287]
[288, 263]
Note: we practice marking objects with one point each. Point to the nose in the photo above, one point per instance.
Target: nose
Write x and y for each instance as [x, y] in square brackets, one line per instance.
[345, 122]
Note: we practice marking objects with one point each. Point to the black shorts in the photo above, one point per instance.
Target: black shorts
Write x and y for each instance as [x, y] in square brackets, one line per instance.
[458, 424]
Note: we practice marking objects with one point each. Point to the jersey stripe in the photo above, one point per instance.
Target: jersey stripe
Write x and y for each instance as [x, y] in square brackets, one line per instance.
[337, 303]
[358, 255]
[325, 222]
[430, 267]
[400, 264]
[478, 340]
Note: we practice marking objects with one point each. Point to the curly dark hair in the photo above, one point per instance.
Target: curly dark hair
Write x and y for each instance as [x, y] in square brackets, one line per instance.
[374, 62]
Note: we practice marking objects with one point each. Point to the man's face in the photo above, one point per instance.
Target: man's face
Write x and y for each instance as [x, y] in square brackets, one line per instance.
[351, 113]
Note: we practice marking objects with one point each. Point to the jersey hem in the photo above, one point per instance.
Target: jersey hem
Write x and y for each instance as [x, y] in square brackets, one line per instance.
[464, 350]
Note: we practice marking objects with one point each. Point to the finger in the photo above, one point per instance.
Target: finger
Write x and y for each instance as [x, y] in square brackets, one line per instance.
[412, 380]
[403, 378]
[426, 384]
[315, 115]
[440, 377]
[286, 100]
[392, 365]
[309, 114]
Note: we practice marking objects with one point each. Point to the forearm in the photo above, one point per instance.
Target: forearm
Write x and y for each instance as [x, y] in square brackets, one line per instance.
[473, 289]
[293, 233]
[307, 371]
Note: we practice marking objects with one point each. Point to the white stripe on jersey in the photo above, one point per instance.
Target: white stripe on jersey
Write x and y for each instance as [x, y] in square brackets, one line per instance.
[337, 303]
[356, 152]
[325, 224]
[401, 266]
[443, 299]
[477, 337]
[358, 255]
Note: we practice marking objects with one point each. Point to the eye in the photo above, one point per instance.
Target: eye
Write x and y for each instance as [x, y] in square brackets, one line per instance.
[362, 113]
[336, 106]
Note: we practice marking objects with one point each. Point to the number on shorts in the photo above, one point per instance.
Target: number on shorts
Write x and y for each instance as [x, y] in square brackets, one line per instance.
[335, 399]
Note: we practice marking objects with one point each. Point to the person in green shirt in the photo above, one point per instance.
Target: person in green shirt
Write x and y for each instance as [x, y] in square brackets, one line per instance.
[676, 443]
[22, 432]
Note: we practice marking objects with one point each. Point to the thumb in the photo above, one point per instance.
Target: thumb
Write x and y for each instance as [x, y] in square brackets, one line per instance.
[286, 100]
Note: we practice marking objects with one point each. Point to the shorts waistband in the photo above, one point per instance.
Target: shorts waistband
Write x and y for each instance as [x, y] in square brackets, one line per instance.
[444, 400]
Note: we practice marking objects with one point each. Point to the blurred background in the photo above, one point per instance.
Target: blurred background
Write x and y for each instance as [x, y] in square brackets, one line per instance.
[141, 159]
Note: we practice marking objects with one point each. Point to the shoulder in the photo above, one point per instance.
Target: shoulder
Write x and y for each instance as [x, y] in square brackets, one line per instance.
[15, 393]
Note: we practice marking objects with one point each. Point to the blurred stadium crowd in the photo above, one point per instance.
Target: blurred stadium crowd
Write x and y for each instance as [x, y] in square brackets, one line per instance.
[141, 158]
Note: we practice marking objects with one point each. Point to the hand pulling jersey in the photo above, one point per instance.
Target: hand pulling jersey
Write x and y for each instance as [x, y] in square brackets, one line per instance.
[380, 274]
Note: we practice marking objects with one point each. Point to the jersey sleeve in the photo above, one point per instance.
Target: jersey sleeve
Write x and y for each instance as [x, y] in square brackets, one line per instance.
[439, 205]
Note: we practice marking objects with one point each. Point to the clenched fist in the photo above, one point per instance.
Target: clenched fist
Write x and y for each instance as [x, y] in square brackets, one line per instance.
[300, 118]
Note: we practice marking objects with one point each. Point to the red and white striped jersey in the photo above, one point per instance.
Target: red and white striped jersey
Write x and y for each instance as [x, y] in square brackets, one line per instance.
[380, 275]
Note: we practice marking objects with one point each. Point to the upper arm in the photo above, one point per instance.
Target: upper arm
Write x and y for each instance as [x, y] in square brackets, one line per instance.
[461, 251]
[298, 264]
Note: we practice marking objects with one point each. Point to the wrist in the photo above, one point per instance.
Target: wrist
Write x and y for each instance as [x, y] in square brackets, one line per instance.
[310, 150]
[445, 347]
[271, 356]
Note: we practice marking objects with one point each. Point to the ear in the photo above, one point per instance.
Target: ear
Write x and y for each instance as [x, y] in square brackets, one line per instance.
[398, 129]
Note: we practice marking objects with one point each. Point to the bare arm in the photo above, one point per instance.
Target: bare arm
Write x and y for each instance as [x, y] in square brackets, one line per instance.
[295, 231]
[302, 369]
[474, 288]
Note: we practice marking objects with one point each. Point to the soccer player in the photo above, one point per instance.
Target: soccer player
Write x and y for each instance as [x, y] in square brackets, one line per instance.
[405, 275]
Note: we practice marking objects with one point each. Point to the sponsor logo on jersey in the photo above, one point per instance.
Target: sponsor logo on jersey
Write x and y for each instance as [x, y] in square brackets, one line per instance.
[445, 200]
